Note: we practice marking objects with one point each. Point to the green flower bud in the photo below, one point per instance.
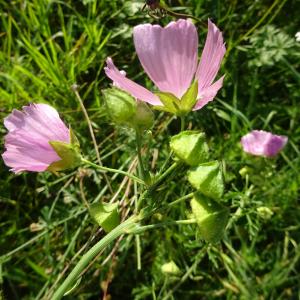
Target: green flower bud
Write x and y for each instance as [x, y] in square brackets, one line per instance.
[264, 212]
[190, 146]
[211, 217]
[106, 215]
[121, 106]
[68, 152]
[208, 179]
[143, 118]
[170, 268]
[123, 109]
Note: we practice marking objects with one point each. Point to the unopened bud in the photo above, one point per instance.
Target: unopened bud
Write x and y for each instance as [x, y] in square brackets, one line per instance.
[121, 106]
[143, 118]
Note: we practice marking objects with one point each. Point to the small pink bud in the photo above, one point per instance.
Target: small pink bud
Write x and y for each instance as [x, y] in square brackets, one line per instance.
[263, 143]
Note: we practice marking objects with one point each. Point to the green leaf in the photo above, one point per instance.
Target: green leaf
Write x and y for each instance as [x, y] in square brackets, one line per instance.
[106, 215]
[208, 179]
[171, 103]
[38, 269]
[189, 99]
[190, 146]
[211, 217]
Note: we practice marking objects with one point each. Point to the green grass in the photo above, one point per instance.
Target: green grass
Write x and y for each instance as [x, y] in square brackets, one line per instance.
[46, 47]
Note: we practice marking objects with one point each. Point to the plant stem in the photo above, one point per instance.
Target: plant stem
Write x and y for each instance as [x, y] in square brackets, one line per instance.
[113, 170]
[75, 90]
[188, 196]
[182, 123]
[158, 225]
[157, 183]
[92, 253]
[126, 227]
[165, 174]
[139, 153]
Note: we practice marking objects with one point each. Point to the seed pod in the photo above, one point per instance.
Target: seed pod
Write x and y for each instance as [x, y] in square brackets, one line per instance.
[211, 217]
[190, 146]
[208, 179]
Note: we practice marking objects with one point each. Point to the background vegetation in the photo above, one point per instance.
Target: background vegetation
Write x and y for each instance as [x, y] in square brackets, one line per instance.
[46, 46]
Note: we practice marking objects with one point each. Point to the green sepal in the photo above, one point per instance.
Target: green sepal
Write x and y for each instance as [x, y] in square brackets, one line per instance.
[73, 138]
[121, 106]
[106, 215]
[190, 146]
[211, 217]
[68, 152]
[179, 107]
[171, 103]
[208, 179]
[189, 99]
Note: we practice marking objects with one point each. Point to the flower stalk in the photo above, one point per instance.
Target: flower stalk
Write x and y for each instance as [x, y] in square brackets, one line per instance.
[102, 168]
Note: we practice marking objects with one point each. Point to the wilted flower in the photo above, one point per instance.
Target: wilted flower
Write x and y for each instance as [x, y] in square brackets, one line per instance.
[263, 143]
[28, 141]
[169, 56]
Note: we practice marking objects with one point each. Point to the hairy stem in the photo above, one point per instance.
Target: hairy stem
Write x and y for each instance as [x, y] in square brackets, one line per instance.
[139, 153]
[74, 88]
[113, 171]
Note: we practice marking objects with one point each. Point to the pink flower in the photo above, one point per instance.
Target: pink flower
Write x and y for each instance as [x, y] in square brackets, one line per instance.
[263, 143]
[169, 56]
[30, 131]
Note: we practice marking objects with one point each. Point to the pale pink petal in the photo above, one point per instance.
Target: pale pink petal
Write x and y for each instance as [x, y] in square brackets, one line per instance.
[211, 58]
[263, 143]
[168, 55]
[28, 159]
[128, 85]
[208, 94]
[39, 120]
[122, 72]
[30, 131]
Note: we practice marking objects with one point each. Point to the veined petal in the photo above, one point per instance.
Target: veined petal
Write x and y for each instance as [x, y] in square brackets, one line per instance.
[211, 57]
[128, 85]
[40, 121]
[30, 131]
[28, 159]
[168, 55]
[208, 94]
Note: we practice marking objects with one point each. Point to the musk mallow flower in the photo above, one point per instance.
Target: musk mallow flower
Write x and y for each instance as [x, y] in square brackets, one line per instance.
[169, 56]
[38, 140]
[263, 143]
